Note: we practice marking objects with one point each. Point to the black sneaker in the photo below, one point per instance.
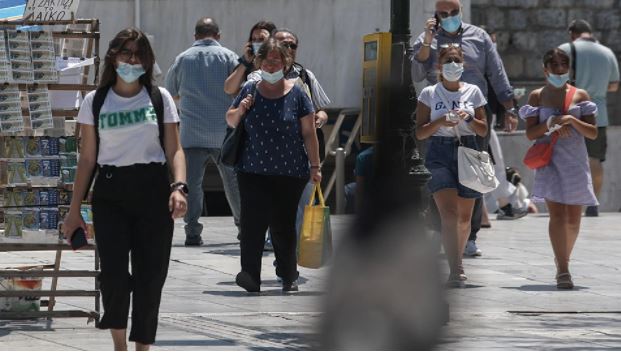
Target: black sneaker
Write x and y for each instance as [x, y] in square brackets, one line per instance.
[245, 281]
[592, 211]
[193, 242]
[507, 213]
[290, 286]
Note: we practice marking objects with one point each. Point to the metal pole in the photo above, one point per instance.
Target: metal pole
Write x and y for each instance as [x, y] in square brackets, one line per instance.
[137, 14]
[340, 180]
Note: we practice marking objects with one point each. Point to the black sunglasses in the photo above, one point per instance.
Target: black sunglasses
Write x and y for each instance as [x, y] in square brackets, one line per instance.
[445, 14]
[453, 59]
[289, 45]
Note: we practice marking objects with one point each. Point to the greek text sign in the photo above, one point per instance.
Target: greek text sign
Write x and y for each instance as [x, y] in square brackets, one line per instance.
[50, 10]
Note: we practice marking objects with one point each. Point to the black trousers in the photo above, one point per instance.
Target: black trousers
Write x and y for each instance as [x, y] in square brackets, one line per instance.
[269, 201]
[132, 221]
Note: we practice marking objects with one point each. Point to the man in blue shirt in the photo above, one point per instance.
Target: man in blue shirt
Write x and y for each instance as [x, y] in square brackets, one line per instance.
[597, 72]
[482, 64]
[197, 78]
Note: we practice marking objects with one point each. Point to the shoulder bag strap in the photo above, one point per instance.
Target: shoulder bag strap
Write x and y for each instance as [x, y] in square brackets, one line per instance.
[569, 97]
[572, 48]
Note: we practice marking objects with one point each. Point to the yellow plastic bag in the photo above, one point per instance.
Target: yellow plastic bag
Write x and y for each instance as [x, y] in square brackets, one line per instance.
[316, 238]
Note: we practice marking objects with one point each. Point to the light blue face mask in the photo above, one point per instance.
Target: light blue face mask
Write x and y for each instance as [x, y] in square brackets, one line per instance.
[129, 73]
[558, 80]
[451, 24]
[256, 46]
[272, 77]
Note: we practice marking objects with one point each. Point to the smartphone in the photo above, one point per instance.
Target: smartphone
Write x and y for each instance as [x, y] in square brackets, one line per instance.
[435, 15]
[78, 239]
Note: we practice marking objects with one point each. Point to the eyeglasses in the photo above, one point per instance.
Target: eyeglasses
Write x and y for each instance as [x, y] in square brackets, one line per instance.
[290, 45]
[450, 45]
[453, 59]
[444, 14]
[126, 54]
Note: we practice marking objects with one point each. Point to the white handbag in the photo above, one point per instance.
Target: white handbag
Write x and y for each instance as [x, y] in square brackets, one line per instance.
[475, 169]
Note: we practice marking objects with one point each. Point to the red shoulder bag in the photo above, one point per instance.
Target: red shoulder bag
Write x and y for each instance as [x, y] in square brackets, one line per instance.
[540, 154]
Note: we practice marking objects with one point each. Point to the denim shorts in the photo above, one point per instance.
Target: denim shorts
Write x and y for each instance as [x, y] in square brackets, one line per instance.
[441, 161]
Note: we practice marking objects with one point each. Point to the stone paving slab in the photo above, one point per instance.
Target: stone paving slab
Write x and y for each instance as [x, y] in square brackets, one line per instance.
[510, 302]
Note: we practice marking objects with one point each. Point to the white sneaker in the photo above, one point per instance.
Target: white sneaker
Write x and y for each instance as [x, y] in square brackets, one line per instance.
[472, 250]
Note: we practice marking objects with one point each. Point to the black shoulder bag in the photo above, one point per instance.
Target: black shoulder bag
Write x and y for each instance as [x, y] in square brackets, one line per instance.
[232, 146]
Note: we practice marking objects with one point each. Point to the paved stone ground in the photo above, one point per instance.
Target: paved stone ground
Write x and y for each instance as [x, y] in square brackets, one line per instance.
[511, 302]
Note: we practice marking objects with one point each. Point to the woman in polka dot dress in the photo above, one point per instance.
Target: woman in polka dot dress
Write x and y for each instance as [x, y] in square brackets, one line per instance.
[279, 155]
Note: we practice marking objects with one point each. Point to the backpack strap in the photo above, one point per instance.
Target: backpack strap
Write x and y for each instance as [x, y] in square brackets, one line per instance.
[98, 100]
[304, 76]
[158, 104]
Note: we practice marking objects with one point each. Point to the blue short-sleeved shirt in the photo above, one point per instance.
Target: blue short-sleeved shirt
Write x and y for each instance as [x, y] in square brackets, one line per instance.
[197, 76]
[273, 143]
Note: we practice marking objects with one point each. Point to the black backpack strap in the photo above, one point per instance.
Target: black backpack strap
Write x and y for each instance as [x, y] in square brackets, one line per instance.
[98, 100]
[572, 79]
[158, 104]
[304, 76]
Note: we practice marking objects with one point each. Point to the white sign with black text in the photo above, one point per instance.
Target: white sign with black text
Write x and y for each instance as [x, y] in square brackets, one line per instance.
[50, 10]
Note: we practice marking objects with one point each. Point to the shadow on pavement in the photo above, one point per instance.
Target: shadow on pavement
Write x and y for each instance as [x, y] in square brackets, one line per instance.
[28, 325]
[263, 293]
[541, 288]
[218, 342]
[265, 283]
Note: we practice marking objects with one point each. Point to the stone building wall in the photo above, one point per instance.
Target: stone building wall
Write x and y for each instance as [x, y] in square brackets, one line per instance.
[526, 29]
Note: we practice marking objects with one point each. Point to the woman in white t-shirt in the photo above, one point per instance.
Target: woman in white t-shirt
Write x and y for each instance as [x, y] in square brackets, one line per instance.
[443, 108]
[134, 205]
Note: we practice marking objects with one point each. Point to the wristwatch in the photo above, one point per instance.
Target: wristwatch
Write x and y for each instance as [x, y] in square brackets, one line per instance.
[513, 111]
[179, 186]
[242, 61]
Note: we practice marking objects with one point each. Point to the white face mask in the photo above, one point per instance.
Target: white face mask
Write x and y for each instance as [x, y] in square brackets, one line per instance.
[272, 77]
[452, 71]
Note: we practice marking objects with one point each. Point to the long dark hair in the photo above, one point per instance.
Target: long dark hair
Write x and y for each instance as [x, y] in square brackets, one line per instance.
[267, 25]
[145, 54]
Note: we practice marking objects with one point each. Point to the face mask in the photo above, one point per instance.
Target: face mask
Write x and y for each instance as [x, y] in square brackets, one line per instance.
[558, 80]
[272, 77]
[129, 73]
[256, 46]
[451, 24]
[452, 71]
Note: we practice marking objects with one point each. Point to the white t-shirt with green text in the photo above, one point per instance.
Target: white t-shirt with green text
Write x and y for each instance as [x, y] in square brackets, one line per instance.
[128, 131]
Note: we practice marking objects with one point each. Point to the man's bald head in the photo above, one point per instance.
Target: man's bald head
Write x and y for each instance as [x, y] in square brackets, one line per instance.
[206, 27]
[447, 5]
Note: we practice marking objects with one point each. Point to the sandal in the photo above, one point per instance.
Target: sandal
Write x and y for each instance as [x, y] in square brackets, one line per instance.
[563, 281]
[456, 281]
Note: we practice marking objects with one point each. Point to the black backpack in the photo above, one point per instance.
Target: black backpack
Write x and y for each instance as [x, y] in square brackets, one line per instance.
[98, 100]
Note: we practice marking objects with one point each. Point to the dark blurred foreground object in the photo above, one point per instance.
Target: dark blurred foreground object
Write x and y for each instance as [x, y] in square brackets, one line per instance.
[384, 291]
